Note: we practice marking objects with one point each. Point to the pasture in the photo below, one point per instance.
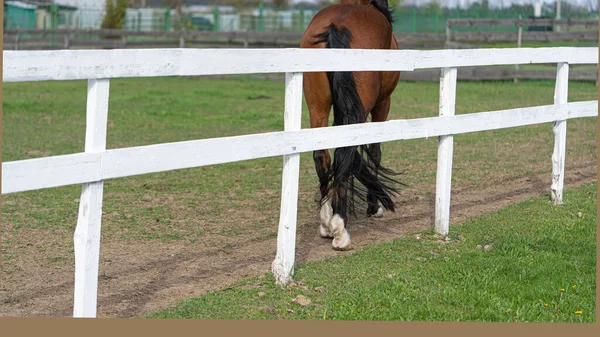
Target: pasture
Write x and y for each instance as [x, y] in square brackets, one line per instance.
[526, 270]
[172, 235]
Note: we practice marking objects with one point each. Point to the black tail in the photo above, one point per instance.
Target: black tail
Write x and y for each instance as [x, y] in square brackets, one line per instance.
[353, 161]
[384, 8]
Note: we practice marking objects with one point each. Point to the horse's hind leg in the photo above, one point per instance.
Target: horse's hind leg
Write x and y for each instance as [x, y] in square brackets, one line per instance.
[323, 167]
[339, 198]
[379, 113]
[373, 208]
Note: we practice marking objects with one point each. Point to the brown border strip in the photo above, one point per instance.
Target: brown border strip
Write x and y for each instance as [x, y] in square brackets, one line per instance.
[68, 326]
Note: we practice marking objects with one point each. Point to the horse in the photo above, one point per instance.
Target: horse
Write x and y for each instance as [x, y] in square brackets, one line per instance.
[360, 24]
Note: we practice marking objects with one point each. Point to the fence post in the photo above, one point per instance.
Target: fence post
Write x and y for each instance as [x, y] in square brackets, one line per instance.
[445, 151]
[181, 38]
[448, 33]
[54, 16]
[301, 18]
[87, 232]
[167, 26]
[519, 39]
[16, 46]
[216, 22]
[413, 20]
[436, 18]
[557, 28]
[66, 41]
[560, 134]
[495, 16]
[283, 265]
[261, 17]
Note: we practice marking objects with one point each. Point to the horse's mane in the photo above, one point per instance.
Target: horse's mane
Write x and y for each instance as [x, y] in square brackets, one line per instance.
[384, 8]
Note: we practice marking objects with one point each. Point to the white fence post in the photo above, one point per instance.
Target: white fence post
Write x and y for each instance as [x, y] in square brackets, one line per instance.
[87, 232]
[560, 134]
[283, 265]
[445, 150]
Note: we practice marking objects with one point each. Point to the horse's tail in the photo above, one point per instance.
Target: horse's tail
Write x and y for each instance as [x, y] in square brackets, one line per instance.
[384, 8]
[353, 161]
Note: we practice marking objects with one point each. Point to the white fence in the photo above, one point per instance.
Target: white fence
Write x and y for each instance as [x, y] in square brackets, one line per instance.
[96, 164]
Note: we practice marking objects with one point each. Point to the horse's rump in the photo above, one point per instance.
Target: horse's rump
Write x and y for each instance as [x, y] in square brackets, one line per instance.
[353, 95]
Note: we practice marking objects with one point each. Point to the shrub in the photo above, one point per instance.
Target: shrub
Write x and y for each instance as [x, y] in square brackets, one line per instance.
[115, 14]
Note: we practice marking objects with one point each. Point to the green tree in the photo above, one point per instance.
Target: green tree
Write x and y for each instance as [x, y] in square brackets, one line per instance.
[115, 14]
[280, 3]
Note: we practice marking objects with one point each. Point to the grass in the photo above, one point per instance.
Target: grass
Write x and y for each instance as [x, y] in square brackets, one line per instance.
[220, 206]
[530, 262]
[41, 120]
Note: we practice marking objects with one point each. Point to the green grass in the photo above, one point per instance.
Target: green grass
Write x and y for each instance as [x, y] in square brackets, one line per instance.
[40, 119]
[537, 264]
[220, 206]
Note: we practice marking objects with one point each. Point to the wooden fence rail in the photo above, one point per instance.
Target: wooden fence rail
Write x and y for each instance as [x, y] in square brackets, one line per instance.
[96, 164]
[17, 39]
[589, 33]
[588, 23]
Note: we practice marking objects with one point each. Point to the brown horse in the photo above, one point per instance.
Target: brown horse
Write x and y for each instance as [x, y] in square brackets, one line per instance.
[361, 24]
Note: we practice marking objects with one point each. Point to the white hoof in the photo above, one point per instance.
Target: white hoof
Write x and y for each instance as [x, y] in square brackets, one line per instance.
[341, 238]
[341, 242]
[379, 213]
[324, 232]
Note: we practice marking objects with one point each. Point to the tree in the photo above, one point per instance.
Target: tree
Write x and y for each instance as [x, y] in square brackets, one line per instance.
[115, 14]
[280, 3]
[435, 4]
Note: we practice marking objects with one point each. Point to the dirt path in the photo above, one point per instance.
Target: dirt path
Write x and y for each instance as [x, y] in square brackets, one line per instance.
[138, 279]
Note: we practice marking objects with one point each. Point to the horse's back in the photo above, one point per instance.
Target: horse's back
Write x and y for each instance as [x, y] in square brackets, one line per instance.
[369, 27]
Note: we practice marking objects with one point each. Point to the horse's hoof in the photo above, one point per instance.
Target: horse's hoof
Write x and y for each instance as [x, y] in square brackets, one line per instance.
[375, 211]
[342, 242]
[324, 232]
[378, 214]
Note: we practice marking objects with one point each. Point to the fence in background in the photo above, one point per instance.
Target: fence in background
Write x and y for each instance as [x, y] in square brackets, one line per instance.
[425, 19]
[433, 19]
[96, 164]
[545, 30]
[16, 39]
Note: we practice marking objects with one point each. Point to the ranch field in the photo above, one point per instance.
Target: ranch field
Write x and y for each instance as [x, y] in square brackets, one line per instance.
[180, 234]
[527, 270]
